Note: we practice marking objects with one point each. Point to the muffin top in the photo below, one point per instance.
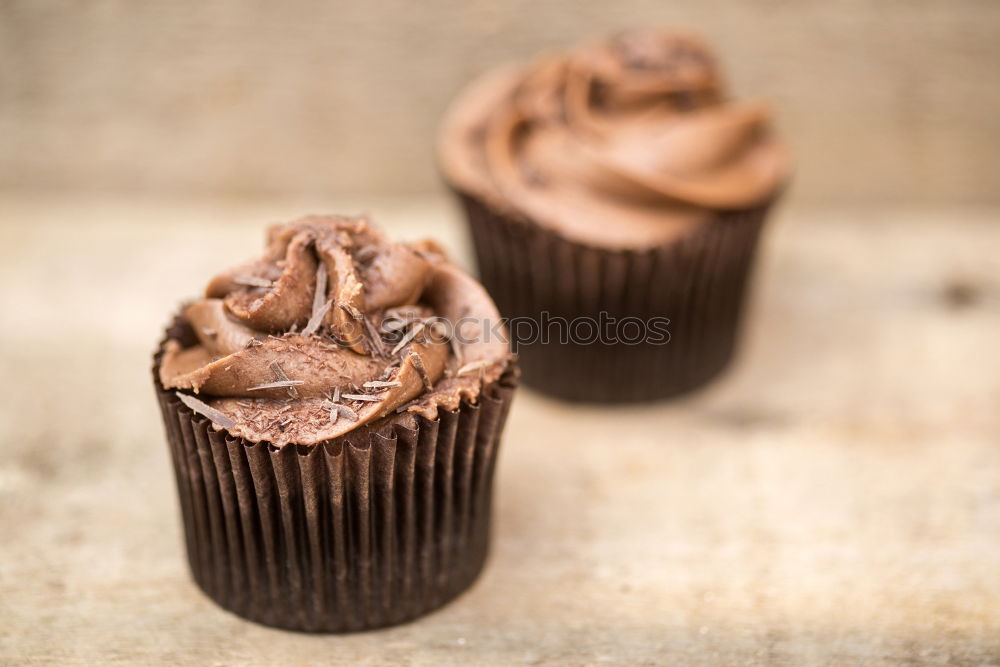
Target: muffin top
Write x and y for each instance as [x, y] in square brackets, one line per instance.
[629, 142]
[334, 327]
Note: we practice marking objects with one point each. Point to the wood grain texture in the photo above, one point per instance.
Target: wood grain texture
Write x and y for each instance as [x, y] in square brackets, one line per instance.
[881, 101]
[834, 499]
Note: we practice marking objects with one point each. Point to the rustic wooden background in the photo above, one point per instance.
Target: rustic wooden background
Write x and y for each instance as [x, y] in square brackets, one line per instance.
[882, 101]
[834, 499]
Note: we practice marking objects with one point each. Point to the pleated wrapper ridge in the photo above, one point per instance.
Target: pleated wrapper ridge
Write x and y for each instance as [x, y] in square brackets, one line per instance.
[347, 535]
[699, 282]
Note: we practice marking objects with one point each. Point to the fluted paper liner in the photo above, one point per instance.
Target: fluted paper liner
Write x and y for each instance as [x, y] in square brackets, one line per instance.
[698, 282]
[344, 535]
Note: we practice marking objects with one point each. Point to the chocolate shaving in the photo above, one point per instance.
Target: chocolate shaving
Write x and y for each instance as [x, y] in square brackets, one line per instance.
[291, 384]
[312, 326]
[389, 370]
[362, 397]
[320, 303]
[319, 296]
[343, 410]
[279, 373]
[418, 364]
[378, 384]
[206, 410]
[337, 409]
[350, 310]
[410, 335]
[378, 347]
[252, 281]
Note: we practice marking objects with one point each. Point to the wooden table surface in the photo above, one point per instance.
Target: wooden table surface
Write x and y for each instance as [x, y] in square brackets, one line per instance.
[834, 499]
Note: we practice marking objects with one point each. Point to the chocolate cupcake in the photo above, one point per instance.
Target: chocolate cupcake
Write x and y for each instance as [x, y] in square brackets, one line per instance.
[615, 185]
[333, 412]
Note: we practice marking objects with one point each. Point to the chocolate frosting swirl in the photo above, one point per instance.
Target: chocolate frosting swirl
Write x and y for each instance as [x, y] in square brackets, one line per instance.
[332, 328]
[627, 142]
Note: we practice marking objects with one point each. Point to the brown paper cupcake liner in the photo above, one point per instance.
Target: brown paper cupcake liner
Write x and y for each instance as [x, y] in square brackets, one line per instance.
[342, 536]
[698, 282]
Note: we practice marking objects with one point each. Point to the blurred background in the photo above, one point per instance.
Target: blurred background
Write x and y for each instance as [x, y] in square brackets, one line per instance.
[883, 102]
[834, 498]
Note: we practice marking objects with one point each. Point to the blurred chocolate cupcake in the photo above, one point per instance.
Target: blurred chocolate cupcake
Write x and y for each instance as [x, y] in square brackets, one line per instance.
[616, 185]
[333, 436]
